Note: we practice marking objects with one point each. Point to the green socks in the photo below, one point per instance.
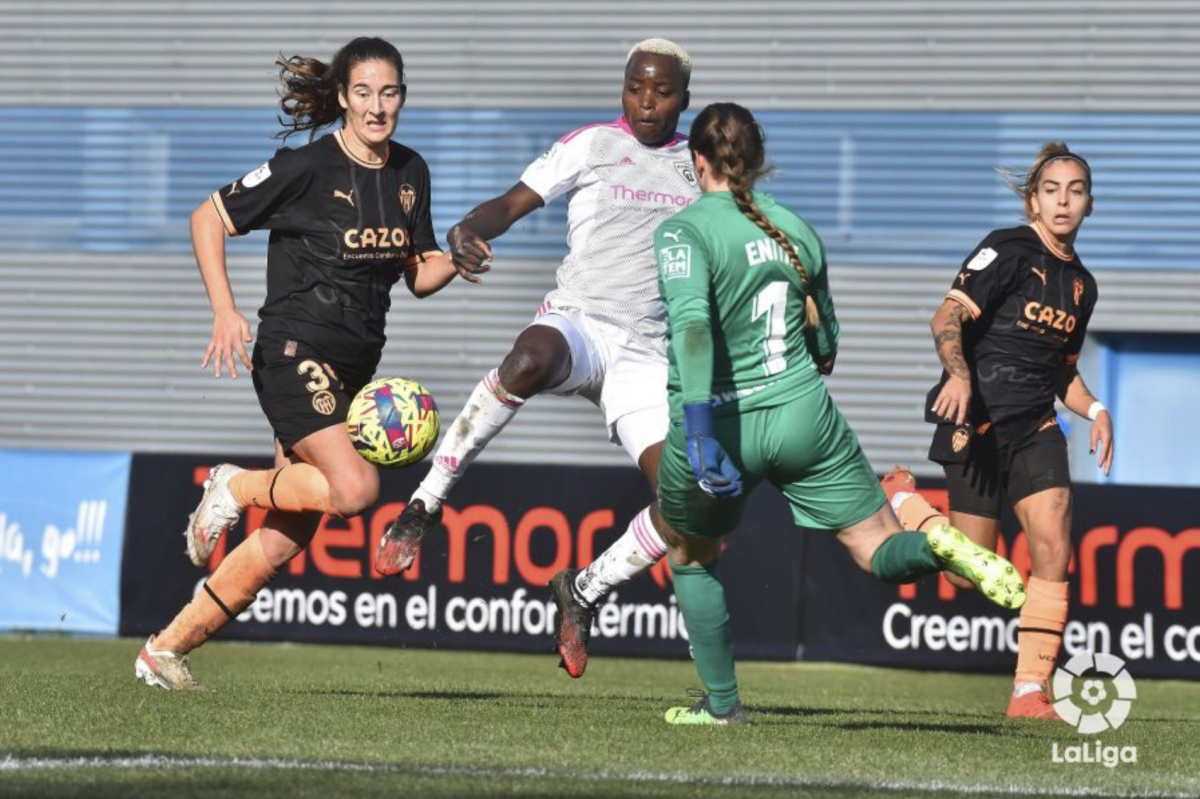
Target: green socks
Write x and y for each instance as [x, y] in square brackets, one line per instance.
[702, 602]
[903, 558]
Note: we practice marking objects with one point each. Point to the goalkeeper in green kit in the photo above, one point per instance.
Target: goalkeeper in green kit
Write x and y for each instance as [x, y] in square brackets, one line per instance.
[751, 328]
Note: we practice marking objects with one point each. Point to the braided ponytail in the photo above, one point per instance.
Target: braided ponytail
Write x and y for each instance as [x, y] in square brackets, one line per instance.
[733, 142]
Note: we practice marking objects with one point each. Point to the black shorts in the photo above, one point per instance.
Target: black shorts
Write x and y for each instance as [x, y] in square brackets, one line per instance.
[300, 392]
[979, 484]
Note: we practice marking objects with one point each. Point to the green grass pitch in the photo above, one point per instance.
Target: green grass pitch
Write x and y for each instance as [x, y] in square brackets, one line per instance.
[315, 721]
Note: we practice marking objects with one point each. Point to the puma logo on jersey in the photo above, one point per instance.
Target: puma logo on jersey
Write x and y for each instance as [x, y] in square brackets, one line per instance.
[341, 195]
[1041, 273]
[672, 235]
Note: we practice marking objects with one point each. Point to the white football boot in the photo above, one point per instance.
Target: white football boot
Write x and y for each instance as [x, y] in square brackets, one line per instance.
[163, 669]
[214, 516]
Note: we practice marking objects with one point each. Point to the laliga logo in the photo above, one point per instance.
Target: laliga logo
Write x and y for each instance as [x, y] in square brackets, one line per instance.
[1089, 719]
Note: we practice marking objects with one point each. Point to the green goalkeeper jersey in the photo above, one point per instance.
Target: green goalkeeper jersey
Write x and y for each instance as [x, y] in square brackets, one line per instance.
[735, 306]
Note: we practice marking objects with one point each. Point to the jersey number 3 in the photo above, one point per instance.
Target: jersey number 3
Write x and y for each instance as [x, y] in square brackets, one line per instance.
[771, 303]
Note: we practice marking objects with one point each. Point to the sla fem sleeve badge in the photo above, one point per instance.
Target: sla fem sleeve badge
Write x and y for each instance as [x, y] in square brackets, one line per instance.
[676, 261]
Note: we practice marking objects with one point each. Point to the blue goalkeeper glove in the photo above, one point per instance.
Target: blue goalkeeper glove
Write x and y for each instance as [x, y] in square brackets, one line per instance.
[714, 471]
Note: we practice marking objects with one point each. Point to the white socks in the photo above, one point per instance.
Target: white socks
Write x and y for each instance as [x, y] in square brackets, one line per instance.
[638, 548]
[488, 410]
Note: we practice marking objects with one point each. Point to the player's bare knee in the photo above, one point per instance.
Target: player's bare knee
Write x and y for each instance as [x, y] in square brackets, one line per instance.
[352, 498]
[1051, 555]
[526, 371]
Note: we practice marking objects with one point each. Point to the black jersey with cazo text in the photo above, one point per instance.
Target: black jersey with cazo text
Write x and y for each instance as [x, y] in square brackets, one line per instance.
[1029, 313]
[342, 233]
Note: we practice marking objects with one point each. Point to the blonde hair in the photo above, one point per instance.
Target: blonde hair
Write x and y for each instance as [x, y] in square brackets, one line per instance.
[1024, 184]
[733, 142]
[664, 47]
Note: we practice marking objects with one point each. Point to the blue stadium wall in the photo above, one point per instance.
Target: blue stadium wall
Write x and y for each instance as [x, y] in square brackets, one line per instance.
[899, 198]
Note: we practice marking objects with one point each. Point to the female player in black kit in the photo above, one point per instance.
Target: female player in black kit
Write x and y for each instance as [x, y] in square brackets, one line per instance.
[1009, 335]
[348, 215]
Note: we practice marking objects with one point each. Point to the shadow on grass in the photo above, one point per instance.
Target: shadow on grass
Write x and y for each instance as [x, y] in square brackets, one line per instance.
[396, 693]
[919, 726]
[458, 695]
[782, 710]
[884, 719]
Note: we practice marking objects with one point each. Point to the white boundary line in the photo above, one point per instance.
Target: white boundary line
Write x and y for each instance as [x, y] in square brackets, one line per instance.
[10, 763]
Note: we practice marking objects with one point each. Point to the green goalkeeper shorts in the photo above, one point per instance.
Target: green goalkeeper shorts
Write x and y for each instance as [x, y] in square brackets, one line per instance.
[805, 448]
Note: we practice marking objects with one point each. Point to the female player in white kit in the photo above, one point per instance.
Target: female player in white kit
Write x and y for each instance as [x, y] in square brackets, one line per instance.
[600, 334]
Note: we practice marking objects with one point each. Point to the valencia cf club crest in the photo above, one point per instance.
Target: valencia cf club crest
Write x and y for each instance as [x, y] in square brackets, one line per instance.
[324, 403]
[962, 437]
[408, 196]
[1078, 291]
[687, 172]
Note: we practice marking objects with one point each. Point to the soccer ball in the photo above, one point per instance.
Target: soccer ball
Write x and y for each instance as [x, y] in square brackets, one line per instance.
[393, 422]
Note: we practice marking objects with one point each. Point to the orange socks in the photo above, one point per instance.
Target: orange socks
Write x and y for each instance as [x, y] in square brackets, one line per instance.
[293, 488]
[228, 592]
[914, 512]
[1039, 635]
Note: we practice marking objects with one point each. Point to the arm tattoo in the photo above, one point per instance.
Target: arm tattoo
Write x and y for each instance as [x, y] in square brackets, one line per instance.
[948, 342]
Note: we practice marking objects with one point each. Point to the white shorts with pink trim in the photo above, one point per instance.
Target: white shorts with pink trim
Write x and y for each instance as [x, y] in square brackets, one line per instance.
[620, 376]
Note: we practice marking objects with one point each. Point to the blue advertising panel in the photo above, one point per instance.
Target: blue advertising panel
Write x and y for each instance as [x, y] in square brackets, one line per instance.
[62, 525]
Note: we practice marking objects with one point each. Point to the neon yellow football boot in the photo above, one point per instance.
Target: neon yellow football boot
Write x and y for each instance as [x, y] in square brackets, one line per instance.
[995, 577]
[701, 713]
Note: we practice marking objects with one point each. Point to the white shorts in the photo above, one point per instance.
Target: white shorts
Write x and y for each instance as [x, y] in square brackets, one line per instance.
[624, 379]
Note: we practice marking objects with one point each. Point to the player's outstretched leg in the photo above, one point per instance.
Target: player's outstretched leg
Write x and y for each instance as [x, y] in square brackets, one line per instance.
[992, 575]
[701, 600]
[490, 407]
[1043, 615]
[229, 490]
[163, 662]
[577, 593]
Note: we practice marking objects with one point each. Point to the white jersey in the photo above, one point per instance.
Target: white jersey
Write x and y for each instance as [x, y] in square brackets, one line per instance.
[621, 190]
